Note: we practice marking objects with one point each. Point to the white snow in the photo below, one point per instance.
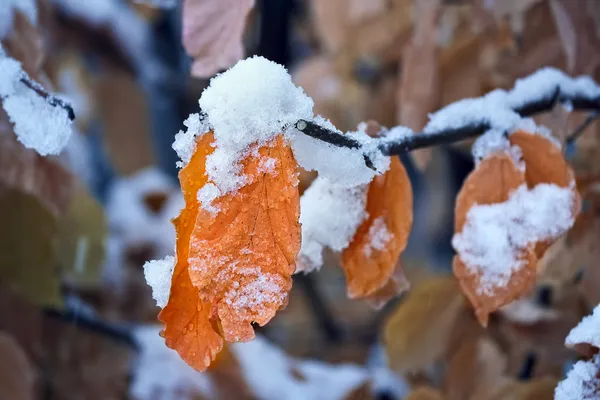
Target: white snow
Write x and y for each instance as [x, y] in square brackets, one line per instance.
[248, 105]
[161, 374]
[330, 215]
[587, 331]
[494, 235]
[378, 236]
[133, 223]
[496, 107]
[185, 142]
[37, 124]
[493, 108]
[543, 83]
[582, 382]
[344, 166]
[158, 274]
[7, 9]
[268, 372]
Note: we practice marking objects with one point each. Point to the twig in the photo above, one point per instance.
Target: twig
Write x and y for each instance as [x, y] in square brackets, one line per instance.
[51, 99]
[94, 325]
[420, 140]
[581, 128]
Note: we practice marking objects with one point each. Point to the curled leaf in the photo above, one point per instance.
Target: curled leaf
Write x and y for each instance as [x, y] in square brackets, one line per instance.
[242, 257]
[188, 329]
[370, 259]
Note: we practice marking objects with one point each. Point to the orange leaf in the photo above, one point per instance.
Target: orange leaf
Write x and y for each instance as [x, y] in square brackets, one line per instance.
[242, 258]
[186, 317]
[371, 257]
[544, 163]
[492, 182]
[544, 160]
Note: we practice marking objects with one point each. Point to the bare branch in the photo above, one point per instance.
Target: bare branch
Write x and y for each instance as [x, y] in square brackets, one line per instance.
[581, 128]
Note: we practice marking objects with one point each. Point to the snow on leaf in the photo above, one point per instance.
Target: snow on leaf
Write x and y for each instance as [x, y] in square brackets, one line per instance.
[242, 259]
[322, 228]
[490, 183]
[188, 329]
[587, 331]
[582, 382]
[370, 259]
[545, 163]
[212, 33]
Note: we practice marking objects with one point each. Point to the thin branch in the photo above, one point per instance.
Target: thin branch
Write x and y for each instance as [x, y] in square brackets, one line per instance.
[94, 325]
[581, 128]
[51, 99]
[421, 140]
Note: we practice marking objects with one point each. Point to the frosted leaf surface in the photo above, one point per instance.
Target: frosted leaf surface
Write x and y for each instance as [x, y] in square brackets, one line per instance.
[587, 331]
[158, 274]
[379, 235]
[495, 234]
[330, 214]
[582, 382]
[37, 124]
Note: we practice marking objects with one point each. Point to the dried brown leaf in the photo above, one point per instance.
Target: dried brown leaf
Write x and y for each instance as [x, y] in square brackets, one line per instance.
[123, 109]
[419, 89]
[417, 334]
[212, 33]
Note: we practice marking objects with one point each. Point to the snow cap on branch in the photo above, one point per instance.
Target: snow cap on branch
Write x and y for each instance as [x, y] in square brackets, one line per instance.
[39, 125]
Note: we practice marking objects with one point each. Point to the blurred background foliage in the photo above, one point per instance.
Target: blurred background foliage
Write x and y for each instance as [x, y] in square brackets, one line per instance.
[75, 229]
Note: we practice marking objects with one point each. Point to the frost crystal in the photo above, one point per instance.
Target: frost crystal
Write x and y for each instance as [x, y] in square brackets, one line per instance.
[494, 235]
[379, 235]
[158, 274]
[330, 215]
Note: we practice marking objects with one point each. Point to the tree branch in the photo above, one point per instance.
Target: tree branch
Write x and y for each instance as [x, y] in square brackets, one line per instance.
[427, 139]
[51, 99]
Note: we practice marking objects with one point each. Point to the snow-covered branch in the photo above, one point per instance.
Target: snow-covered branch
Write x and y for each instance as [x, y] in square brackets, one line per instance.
[498, 110]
